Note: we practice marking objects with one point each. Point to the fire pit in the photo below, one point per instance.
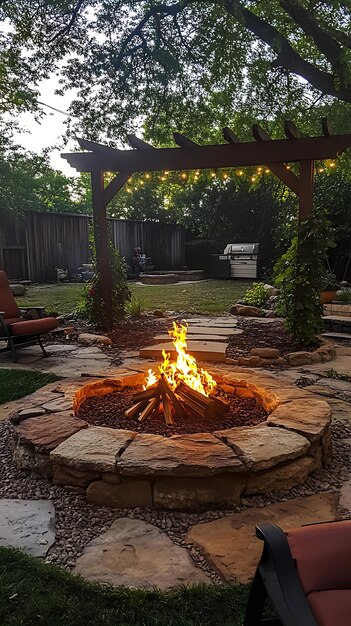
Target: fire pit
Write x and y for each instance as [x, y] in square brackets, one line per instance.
[180, 398]
[177, 437]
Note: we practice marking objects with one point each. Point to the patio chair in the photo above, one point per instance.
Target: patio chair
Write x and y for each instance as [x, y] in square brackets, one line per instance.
[14, 328]
[305, 573]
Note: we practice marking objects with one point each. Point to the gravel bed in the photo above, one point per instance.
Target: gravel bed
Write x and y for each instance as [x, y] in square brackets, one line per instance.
[78, 522]
[109, 411]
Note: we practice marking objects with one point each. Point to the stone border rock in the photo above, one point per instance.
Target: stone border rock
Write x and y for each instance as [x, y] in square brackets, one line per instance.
[122, 468]
[271, 356]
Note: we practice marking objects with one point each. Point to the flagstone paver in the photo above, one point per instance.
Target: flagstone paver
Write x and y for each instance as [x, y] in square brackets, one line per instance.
[27, 525]
[230, 546]
[260, 447]
[94, 448]
[201, 350]
[133, 553]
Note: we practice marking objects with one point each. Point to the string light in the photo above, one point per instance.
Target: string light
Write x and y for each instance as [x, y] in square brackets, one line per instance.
[332, 164]
[267, 171]
[213, 174]
[320, 170]
[288, 167]
[184, 175]
[166, 173]
[259, 169]
[253, 178]
[240, 173]
[147, 175]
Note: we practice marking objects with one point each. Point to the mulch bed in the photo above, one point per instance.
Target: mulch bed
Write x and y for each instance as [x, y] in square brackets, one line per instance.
[261, 335]
[136, 333]
[129, 334]
[109, 411]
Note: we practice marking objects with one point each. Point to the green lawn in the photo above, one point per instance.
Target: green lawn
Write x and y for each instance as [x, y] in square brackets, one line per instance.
[16, 383]
[35, 594]
[207, 297]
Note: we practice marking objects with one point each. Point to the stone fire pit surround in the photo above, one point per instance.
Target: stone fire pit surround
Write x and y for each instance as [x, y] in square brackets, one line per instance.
[122, 468]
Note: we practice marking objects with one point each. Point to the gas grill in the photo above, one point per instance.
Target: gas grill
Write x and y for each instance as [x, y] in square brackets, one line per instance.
[242, 259]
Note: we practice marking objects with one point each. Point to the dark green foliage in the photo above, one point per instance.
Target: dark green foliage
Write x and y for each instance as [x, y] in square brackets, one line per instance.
[16, 383]
[27, 182]
[256, 296]
[92, 305]
[35, 594]
[299, 276]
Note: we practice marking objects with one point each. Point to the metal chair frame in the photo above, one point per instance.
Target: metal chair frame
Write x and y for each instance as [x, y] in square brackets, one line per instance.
[276, 578]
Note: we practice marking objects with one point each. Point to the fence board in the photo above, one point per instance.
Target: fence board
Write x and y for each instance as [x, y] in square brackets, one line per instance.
[164, 243]
[55, 240]
[34, 247]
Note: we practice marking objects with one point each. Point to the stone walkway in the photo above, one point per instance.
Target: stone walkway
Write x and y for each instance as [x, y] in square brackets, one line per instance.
[149, 547]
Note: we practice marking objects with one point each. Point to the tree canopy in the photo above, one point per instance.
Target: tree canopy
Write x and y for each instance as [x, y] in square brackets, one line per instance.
[176, 64]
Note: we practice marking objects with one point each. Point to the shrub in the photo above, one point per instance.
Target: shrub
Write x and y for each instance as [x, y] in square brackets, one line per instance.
[344, 296]
[92, 305]
[256, 295]
[134, 307]
[299, 276]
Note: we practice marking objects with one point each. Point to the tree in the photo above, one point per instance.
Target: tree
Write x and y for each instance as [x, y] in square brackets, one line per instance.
[192, 63]
[28, 182]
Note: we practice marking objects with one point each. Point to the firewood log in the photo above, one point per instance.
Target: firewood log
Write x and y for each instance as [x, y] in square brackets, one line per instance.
[167, 410]
[149, 409]
[135, 409]
[165, 389]
[149, 393]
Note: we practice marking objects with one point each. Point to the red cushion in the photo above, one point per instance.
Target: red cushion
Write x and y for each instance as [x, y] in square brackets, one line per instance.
[7, 301]
[33, 327]
[10, 320]
[323, 556]
[331, 608]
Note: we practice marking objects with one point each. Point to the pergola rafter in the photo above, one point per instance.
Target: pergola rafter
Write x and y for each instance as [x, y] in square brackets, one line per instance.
[143, 157]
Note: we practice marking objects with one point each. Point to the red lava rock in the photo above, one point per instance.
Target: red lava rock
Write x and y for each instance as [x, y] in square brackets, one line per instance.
[109, 411]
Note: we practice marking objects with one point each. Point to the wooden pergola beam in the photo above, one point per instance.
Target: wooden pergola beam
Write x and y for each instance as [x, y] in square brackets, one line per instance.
[183, 141]
[135, 142]
[207, 157]
[279, 169]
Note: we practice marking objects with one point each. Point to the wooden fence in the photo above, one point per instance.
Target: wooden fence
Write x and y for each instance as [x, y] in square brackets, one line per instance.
[34, 247]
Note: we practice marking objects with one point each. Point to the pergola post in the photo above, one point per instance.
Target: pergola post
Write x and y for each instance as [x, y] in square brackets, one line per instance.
[306, 181]
[102, 243]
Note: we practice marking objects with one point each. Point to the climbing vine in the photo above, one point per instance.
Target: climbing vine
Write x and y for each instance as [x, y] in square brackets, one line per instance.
[300, 274]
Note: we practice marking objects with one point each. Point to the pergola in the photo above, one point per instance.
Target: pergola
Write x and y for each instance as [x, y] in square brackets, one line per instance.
[143, 157]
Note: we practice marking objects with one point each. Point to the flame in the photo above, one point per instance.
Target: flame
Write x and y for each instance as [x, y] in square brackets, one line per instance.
[184, 368]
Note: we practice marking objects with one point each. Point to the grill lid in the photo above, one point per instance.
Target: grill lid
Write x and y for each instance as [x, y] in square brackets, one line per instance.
[241, 248]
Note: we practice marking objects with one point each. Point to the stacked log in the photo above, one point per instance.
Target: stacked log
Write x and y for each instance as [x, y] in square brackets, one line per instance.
[149, 403]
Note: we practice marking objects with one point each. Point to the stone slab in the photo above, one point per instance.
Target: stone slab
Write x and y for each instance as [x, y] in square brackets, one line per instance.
[201, 350]
[213, 322]
[193, 494]
[181, 455]
[135, 554]
[27, 525]
[230, 546]
[192, 337]
[342, 365]
[260, 447]
[310, 418]
[126, 494]
[224, 331]
[94, 448]
[48, 431]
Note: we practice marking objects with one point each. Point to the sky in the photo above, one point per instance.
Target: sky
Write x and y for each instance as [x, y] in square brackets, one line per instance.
[51, 127]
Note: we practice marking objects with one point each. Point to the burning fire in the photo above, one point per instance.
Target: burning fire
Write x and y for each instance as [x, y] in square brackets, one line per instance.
[184, 368]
